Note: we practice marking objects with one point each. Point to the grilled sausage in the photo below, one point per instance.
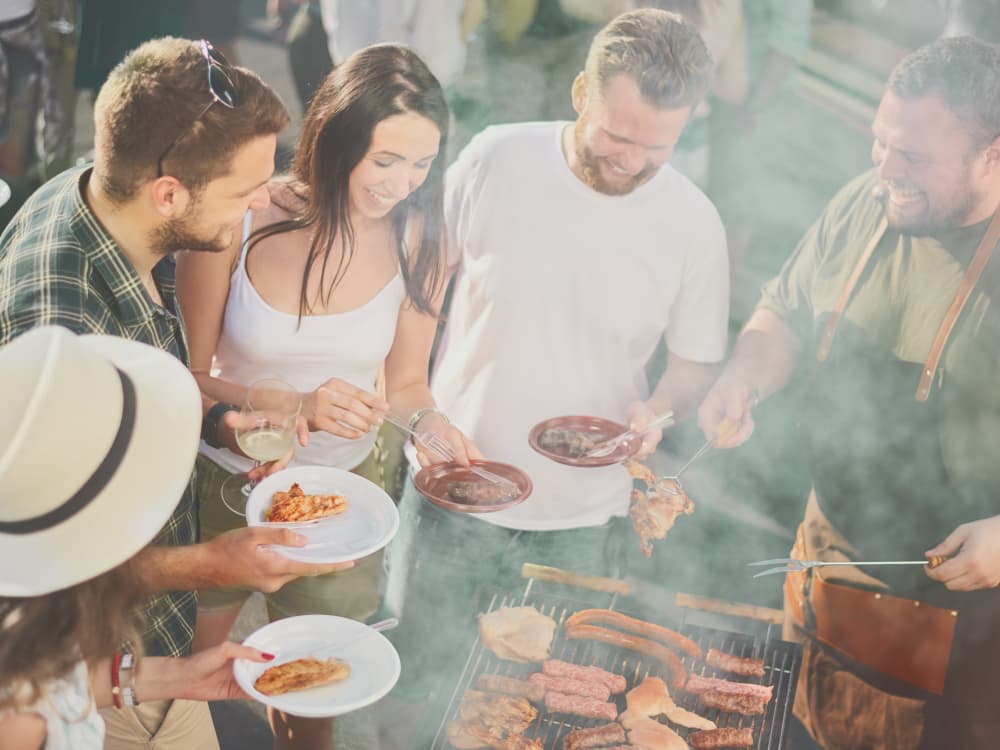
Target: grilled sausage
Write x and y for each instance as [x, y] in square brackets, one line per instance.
[700, 684]
[633, 625]
[591, 689]
[747, 705]
[558, 668]
[579, 705]
[736, 664]
[511, 686]
[669, 659]
[605, 734]
[726, 737]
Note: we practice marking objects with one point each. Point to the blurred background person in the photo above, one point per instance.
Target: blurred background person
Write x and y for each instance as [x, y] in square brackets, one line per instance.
[121, 420]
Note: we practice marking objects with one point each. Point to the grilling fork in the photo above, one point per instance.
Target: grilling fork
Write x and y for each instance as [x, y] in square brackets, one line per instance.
[791, 565]
[441, 446]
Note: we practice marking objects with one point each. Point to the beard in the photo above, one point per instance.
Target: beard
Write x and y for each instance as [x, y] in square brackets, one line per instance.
[181, 234]
[590, 165]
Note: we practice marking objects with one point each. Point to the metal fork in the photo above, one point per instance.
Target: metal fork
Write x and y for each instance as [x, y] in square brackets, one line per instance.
[609, 446]
[443, 448]
[791, 565]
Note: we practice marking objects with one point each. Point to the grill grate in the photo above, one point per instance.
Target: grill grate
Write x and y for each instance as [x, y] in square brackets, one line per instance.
[781, 664]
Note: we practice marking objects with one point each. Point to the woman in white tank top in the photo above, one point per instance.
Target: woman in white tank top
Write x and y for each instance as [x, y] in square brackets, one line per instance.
[338, 280]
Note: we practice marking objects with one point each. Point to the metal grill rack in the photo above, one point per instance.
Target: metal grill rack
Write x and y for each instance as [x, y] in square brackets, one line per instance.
[781, 663]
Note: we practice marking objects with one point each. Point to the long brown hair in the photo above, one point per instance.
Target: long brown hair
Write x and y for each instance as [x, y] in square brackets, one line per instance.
[371, 85]
[42, 638]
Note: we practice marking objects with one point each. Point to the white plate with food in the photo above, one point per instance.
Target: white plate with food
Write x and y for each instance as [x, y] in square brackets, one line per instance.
[363, 665]
[364, 519]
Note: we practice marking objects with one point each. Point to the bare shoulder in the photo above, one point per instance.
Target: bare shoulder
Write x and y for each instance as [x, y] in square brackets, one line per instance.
[22, 730]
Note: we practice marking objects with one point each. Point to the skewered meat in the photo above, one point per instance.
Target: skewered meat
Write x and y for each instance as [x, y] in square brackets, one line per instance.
[634, 625]
[296, 505]
[654, 512]
[580, 705]
[735, 664]
[747, 705]
[726, 737]
[511, 686]
[557, 668]
[700, 684]
[482, 492]
[301, 674]
[512, 714]
[521, 634]
[568, 685]
[669, 659]
[651, 698]
[652, 735]
[571, 443]
[600, 736]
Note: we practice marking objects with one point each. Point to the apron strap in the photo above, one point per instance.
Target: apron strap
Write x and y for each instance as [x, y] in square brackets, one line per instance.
[969, 281]
[826, 341]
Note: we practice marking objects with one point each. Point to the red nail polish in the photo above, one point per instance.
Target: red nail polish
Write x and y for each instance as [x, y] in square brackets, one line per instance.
[267, 656]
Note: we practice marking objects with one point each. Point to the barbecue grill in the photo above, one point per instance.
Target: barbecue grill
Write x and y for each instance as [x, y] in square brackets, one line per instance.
[781, 663]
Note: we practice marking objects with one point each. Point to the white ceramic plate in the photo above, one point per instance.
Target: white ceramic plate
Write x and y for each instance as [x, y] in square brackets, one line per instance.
[369, 522]
[374, 663]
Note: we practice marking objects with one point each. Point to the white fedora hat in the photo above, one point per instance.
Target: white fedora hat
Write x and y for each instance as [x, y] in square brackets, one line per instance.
[98, 435]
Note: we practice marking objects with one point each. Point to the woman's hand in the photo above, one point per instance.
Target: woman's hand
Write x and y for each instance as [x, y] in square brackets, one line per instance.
[257, 473]
[205, 676]
[463, 448]
[343, 409]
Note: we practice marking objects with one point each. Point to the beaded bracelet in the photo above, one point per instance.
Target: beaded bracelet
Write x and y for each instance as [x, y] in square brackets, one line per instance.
[116, 695]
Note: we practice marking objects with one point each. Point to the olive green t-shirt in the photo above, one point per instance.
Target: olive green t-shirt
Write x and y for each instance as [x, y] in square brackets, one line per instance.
[880, 346]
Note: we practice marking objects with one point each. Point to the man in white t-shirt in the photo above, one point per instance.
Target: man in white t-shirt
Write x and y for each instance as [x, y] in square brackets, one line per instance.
[578, 249]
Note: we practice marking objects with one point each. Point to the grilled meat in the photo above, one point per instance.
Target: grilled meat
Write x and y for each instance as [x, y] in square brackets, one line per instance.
[511, 686]
[600, 736]
[571, 443]
[580, 705]
[747, 705]
[735, 664]
[296, 505]
[482, 492]
[700, 684]
[558, 668]
[718, 738]
[521, 634]
[301, 674]
[570, 686]
[511, 714]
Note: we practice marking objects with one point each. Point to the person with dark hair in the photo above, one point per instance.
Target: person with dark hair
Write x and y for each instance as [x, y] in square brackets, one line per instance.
[579, 249]
[339, 279]
[184, 145]
[68, 590]
[890, 298]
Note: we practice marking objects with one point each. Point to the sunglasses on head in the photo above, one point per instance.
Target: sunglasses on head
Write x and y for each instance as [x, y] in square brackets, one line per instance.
[220, 86]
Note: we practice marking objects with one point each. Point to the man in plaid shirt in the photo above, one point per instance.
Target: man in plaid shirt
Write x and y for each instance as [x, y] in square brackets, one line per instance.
[184, 146]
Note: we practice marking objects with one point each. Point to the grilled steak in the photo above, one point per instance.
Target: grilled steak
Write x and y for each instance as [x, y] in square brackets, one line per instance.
[735, 664]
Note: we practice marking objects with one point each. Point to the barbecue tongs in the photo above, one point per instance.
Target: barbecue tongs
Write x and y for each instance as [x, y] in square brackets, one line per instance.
[789, 564]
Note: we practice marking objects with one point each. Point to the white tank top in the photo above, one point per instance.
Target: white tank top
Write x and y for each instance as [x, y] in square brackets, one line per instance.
[258, 341]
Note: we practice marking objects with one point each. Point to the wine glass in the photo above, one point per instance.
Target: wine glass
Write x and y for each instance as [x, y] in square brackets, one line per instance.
[265, 430]
[62, 25]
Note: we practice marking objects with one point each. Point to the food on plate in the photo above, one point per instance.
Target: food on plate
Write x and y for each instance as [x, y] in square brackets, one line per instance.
[492, 720]
[571, 443]
[482, 492]
[667, 657]
[521, 634]
[580, 705]
[557, 668]
[593, 737]
[736, 664]
[301, 674]
[652, 735]
[734, 703]
[511, 686]
[571, 686]
[719, 738]
[654, 512]
[700, 684]
[651, 698]
[296, 505]
[634, 625]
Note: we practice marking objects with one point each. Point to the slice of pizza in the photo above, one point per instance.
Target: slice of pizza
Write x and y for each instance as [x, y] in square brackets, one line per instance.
[301, 674]
[296, 505]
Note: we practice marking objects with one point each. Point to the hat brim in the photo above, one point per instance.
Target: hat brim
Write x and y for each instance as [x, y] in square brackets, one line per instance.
[141, 495]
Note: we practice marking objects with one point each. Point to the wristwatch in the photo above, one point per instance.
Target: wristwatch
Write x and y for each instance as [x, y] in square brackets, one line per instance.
[210, 423]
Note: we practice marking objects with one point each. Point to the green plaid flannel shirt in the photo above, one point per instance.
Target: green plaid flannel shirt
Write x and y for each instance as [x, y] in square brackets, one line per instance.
[58, 266]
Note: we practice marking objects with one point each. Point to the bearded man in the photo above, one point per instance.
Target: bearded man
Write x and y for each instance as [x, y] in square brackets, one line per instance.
[578, 249]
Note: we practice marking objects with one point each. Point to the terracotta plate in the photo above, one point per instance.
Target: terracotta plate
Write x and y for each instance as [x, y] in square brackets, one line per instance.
[433, 482]
[595, 428]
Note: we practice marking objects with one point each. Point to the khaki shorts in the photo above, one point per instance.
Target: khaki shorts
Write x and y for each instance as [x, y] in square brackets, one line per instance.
[352, 593]
[160, 725]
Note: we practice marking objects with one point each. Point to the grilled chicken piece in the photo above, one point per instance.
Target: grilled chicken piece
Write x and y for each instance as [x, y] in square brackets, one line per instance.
[654, 513]
[301, 674]
[506, 711]
[521, 634]
[295, 505]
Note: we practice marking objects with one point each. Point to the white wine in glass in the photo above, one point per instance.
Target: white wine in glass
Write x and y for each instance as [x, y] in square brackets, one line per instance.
[265, 431]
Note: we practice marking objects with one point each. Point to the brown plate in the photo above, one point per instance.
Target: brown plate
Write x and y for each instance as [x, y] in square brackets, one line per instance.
[432, 482]
[596, 428]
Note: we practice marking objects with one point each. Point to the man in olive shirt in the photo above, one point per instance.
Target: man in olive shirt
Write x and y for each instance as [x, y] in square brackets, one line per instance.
[901, 418]
[184, 144]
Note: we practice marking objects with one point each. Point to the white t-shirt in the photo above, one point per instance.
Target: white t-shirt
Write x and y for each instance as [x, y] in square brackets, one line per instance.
[561, 299]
